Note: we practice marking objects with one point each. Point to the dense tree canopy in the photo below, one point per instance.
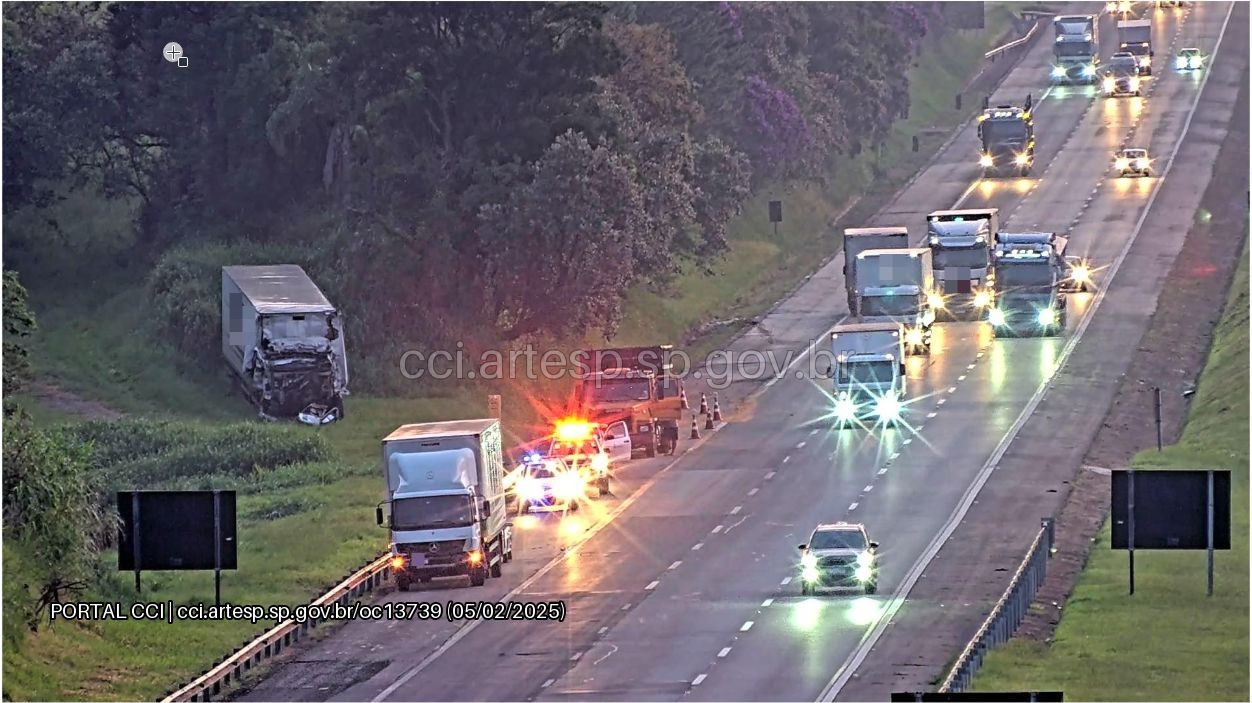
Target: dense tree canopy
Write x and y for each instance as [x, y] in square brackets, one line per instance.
[514, 167]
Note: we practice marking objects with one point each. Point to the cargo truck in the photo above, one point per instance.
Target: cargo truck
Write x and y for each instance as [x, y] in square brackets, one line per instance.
[634, 385]
[1030, 272]
[867, 368]
[859, 239]
[283, 341]
[1076, 48]
[960, 243]
[446, 501]
[1135, 36]
[898, 285]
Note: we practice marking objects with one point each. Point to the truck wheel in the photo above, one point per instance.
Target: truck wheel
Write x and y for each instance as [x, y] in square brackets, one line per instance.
[497, 569]
[603, 486]
[478, 577]
[651, 450]
[402, 582]
[871, 588]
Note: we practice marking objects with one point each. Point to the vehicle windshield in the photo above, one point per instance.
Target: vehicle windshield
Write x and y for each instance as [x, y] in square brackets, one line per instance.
[614, 390]
[889, 305]
[867, 372]
[1072, 49]
[1121, 70]
[1024, 275]
[838, 539]
[431, 512]
[564, 449]
[994, 131]
[972, 257]
[541, 472]
[1135, 154]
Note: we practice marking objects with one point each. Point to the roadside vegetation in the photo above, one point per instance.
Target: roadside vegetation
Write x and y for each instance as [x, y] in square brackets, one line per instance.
[1168, 642]
[123, 271]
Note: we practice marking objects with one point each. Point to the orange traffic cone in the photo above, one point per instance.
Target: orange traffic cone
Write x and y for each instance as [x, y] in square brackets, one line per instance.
[704, 405]
[708, 422]
[682, 398]
[695, 429]
[717, 410]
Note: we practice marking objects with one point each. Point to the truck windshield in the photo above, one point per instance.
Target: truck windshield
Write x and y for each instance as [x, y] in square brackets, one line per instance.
[996, 131]
[867, 372]
[1024, 275]
[1074, 49]
[431, 512]
[838, 539]
[617, 390]
[564, 449]
[973, 257]
[889, 305]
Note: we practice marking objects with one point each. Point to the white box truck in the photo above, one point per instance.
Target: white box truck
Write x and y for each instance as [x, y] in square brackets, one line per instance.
[1135, 36]
[868, 372]
[898, 285]
[859, 239]
[284, 342]
[445, 498]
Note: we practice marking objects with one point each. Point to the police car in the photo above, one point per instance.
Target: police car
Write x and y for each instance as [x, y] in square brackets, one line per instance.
[547, 484]
[1132, 162]
[581, 445]
[839, 555]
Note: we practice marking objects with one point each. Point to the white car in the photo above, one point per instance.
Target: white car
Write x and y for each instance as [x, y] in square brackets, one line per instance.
[1189, 59]
[1132, 162]
[839, 555]
[548, 484]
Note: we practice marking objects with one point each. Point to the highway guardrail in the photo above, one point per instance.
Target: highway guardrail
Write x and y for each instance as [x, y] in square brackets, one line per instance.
[996, 52]
[1007, 614]
[278, 638]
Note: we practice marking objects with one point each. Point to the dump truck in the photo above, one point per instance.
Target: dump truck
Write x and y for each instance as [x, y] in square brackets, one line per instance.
[445, 501]
[960, 243]
[1031, 270]
[868, 372]
[634, 385]
[1076, 48]
[859, 239]
[898, 285]
[283, 341]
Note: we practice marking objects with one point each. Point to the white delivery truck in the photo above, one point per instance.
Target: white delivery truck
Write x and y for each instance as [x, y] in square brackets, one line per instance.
[1135, 36]
[284, 342]
[898, 285]
[868, 372]
[445, 491]
[859, 239]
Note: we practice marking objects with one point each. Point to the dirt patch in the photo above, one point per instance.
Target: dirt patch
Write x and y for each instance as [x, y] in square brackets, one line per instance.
[63, 401]
[1170, 356]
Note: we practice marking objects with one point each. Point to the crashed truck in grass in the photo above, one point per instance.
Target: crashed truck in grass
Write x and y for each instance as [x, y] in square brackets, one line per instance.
[283, 341]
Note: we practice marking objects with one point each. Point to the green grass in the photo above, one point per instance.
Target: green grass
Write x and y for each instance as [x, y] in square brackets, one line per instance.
[1168, 641]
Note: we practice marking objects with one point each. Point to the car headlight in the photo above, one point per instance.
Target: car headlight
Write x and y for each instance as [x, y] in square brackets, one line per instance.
[1109, 85]
[600, 462]
[1058, 72]
[1020, 159]
[865, 559]
[913, 337]
[1046, 317]
[982, 299]
[1121, 164]
[569, 485]
[1141, 164]
[530, 489]
[808, 561]
[887, 407]
[935, 300]
[1081, 274]
[809, 574]
[986, 161]
[1088, 71]
[863, 573]
[996, 317]
[845, 410]
[1134, 84]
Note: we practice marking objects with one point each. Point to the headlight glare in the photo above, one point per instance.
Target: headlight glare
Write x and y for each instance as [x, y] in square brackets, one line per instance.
[1109, 84]
[809, 574]
[865, 559]
[887, 408]
[1058, 72]
[808, 561]
[1047, 317]
[1122, 164]
[935, 300]
[1020, 159]
[982, 299]
[986, 161]
[845, 409]
[863, 573]
[996, 317]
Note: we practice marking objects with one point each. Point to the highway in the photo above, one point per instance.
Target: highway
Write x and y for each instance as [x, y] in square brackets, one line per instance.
[682, 584]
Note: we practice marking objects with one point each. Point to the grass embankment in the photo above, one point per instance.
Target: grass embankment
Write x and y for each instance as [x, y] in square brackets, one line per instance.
[1168, 641]
[302, 526]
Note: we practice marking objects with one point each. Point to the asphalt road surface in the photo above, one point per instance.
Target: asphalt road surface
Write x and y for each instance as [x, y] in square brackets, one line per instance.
[682, 584]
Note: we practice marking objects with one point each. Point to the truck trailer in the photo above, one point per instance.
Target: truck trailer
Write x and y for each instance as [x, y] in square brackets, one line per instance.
[898, 285]
[868, 372]
[1076, 48]
[859, 239]
[283, 341]
[960, 243]
[446, 501]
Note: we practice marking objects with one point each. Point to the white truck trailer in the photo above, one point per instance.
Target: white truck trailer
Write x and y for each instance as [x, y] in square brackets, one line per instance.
[898, 285]
[1135, 36]
[859, 239]
[445, 492]
[868, 372]
[284, 342]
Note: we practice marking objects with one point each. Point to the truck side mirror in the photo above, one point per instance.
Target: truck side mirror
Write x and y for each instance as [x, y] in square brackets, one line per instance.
[378, 515]
[803, 547]
[486, 508]
[873, 545]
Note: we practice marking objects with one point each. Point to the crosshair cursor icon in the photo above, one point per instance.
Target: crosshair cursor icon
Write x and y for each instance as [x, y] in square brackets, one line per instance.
[173, 53]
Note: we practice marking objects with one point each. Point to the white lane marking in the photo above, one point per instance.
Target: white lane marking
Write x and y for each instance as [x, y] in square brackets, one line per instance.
[626, 607]
[786, 459]
[767, 602]
[882, 471]
[800, 445]
[612, 650]
[696, 547]
[869, 488]
[722, 654]
[603, 630]
[930, 415]
[576, 656]
[770, 475]
[699, 679]
[814, 431]
[909, 440]
[971, 366]
[754, 491]
[652, 585]
[919, 428]
[735, 510]
[853, 506]
[894, 456]
[785, 581]
[746, 626]
[674, 565]
[951, 389]
[717, 529]
[871, 636]
[961, 377]
[942, 401]
[548, 683]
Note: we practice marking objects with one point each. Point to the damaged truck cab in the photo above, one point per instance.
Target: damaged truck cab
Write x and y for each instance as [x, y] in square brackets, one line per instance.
[284, 342]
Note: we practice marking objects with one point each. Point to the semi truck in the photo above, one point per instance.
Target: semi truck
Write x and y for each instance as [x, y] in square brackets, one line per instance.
[1030, 272]
[868, 372]
[898, 285]
[283, 342]
[1006, 136]
[859, 239]
[634, 385]
[1135, 36]
[1076, 48]
[960, 245]
[446, 501]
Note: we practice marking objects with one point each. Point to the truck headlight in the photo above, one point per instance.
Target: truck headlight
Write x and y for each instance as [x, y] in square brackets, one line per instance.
[1046, 317]
[475, 556]
[1108, 85]
[982, 299]
[996, 317]
[808, 561]
[865, 559]
[935, 300]
[863, 573]
[913, 337]
[887, 407]
[397, 562]
[1058, 72]
[986, 161]
[845, 410]
[1020, 159]
[530, 489]
[1081, 273]
[1088, 71]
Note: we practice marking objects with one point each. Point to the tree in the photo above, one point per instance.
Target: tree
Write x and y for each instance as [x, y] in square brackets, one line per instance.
[19, 323]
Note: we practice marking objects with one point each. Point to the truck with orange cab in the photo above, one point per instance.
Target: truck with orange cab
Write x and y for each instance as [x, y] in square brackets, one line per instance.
[632, 385]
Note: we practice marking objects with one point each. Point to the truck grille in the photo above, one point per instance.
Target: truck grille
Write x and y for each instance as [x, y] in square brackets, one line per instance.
[443, 547]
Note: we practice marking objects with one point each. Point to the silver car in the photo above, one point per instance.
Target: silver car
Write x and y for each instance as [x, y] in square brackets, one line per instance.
[839, 555]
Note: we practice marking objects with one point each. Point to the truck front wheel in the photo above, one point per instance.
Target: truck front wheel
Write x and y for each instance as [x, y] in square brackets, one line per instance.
[402, 581]
[497, 569]
[602, 486]
[478, 577]
[651, 450]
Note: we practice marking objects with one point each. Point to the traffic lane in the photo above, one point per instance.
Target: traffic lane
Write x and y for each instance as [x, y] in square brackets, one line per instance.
[798, 643]
[615, 565]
